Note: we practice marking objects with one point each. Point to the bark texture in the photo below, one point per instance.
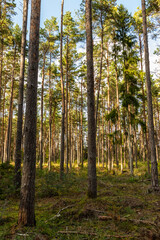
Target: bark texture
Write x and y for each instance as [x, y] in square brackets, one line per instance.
[154, 169]
[27, 201]
[63, 97]
[92, 184]
[18, 156]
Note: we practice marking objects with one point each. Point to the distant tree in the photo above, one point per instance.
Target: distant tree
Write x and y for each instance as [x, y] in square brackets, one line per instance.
[92, 187]
[27, 201]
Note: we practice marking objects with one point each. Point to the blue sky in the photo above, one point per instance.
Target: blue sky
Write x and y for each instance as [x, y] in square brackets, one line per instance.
[53, 8]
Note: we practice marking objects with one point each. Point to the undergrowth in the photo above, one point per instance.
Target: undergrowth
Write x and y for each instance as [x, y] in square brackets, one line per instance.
[63, 210]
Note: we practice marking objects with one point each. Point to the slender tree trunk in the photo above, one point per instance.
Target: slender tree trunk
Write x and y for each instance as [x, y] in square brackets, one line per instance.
[145, 150]
[7, 147]
[3, 121]
[81, 123]
[92, 187]
[41, 127]
[108, 111]
[1, 71]
[67, 143]
[154, 168]
[63, 98]
[50, 114]
[101, 65]
[18, 156]
[27, 200]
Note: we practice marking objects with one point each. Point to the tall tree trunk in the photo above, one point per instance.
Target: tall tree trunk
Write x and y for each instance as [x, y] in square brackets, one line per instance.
[1, 68]
[145, 150]
[7, 147]
[154, 168]
[3, 121]
[27, 200]
[63, 97]
[81, 122]
[18, 156]
[41, 127]
[101, 65]
[92, 184]
[108, 111]
[66, 110]
[50, 114]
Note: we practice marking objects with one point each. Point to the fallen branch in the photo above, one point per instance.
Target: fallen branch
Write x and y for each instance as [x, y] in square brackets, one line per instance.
[138, 221]
[93, 234]
[58, 214]
[75, 232]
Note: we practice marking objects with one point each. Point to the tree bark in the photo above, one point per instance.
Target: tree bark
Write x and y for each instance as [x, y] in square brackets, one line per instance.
[41, 127]
[154, 168]
[92, 184]
[63, 97]
[7, 146]
[27, 200]
[18, 156]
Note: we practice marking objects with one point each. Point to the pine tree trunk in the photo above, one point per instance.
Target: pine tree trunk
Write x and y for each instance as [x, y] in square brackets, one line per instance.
[41, 127]
[63, 97]
[154, 168]
[101, 65]
[3, 122]
[92, 184]
[7, 147]
[27, 200]
[145, 135]
[18, 156]
[50, 114]
[67, 146]
[81, 123]
[108, 111]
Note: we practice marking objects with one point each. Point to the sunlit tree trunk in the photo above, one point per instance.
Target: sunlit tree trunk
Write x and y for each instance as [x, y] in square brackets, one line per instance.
[154, 168]
[63, 97]
[145, 135]
[92, 184]
[18, 151]
[41, 126]
[7, 146]
[27, 200]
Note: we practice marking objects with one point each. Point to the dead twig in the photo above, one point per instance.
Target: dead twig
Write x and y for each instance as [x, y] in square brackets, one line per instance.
[58, 214]
[138, 221]
[76, 232]
[93, 234]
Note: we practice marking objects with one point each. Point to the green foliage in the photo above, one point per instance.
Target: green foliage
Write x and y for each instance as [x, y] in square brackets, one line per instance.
[113, 115]
[130, 100]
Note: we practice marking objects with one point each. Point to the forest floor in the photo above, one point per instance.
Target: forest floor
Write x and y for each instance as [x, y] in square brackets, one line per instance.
[124, 209]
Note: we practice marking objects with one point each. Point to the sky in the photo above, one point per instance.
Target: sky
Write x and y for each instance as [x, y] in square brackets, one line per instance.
[53, 8]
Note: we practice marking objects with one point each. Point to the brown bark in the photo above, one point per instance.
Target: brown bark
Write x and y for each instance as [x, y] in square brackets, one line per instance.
[41, 127]
[50, 115]
[92, 178]
[108, 111]
[154, 169]
[18, 157]
[66, 110]
[27, 200]
[100, 72]
[7, 146]
[63, 97]
[145, 135]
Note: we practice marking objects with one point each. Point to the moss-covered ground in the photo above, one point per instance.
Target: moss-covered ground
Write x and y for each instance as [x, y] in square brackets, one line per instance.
[124, 209]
